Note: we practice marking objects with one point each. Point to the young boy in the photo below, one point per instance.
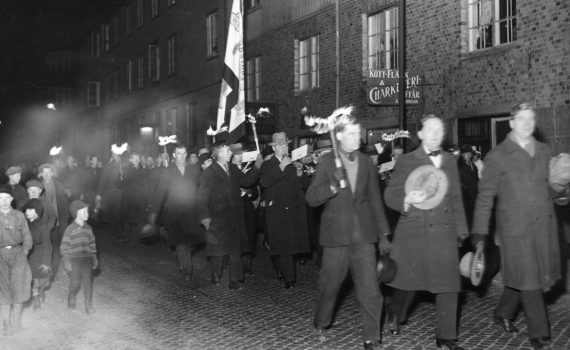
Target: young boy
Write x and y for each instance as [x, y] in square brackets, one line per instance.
[79, 255]
[39, 257]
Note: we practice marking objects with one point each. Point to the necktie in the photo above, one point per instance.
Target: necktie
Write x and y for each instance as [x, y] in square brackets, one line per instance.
[434, 153]
[350, 156]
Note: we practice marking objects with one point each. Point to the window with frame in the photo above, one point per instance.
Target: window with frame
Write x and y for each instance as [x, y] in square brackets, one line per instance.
[140, 13]
[212, 34]
[140, 71]
[154, 8]
[93, 94]
[96, 44]
[491, 23]
[250, 4]
[253, 79]
[308, 63]
[106, 38]
[154, 62]
[115, 34]
[129, 73]
[172, 55]
[129, 19]
[383, 40]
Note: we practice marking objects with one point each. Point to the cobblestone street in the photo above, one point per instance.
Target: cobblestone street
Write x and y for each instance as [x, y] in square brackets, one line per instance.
[143, 303]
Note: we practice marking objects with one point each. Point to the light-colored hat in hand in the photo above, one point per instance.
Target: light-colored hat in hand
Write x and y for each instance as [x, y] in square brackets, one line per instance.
[430, 180]
[278, 139]
[472, 266]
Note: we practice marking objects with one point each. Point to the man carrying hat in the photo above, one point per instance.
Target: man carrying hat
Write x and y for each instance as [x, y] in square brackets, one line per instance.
[285, 212]
[425, 241]
[15, 273]
[17, 191]
[516, 178]
[352, 224]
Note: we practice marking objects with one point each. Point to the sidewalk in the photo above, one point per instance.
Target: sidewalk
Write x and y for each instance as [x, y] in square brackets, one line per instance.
[143, 303]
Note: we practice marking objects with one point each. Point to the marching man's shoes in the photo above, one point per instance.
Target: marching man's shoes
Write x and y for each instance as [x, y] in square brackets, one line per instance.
[447, 344]
[507, 325]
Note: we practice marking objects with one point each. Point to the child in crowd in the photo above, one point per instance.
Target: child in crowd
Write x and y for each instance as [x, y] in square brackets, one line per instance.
[39, 257]
[79, 255]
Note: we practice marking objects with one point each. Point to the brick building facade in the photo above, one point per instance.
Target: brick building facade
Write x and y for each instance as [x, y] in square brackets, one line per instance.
[475, 57]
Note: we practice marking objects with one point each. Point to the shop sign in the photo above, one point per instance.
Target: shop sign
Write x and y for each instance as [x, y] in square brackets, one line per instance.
[383, 87]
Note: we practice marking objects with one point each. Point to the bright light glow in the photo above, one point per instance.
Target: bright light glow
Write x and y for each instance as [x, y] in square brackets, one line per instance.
[51, 106]
[146, 130]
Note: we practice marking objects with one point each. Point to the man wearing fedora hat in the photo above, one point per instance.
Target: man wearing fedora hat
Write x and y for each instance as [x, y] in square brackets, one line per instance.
[352, 224]
[285, 212]
[425, 190]
[516, 178]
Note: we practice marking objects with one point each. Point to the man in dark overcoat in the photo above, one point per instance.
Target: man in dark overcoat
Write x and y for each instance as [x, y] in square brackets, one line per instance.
[352, 223]
[516, 175]
[133, 199]
[108, 194]
[55, 196]
[222, 214]
[177, 192]
[285, 212]
[425, 244]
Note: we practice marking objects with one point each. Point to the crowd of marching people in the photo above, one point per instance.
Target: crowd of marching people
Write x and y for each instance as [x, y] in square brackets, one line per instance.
[337, 206]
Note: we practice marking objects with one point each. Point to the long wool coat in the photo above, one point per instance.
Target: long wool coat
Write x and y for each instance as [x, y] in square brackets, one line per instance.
[425, 241]
[220, 200]
[285, 212]
[526, 228]
[341, 209]
[177, 195]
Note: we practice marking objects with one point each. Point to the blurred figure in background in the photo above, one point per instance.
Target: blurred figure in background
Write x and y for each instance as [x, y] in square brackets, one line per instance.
[18, 191]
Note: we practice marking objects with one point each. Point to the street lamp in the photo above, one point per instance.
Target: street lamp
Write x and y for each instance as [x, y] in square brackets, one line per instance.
[51, 106]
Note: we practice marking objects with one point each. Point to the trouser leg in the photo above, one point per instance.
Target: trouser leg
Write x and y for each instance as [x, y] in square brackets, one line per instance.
[184, 255]
[508, 303]
[288, 265]
[333, 271]
[446, 308]
[74, 282]
[363, 272]
[235, 268]
[400, 304]
[56, 236]
[537, 319]
[217, 264]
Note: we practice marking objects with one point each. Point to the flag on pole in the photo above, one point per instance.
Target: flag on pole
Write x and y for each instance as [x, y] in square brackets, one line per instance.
[231, 108]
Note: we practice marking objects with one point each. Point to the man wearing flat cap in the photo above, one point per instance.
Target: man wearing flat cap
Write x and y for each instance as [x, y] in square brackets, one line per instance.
[17, 191]
[285, 212]
[15, 273]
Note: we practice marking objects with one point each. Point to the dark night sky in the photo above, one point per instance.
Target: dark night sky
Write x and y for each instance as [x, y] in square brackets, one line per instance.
[29, 29]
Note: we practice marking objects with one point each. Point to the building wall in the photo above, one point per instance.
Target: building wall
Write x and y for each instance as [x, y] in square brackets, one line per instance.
[457, 84]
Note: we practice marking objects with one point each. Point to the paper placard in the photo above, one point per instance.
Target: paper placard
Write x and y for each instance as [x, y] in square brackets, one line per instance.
[379, 147]
[386, 166]
[300, 152]
[249, 156]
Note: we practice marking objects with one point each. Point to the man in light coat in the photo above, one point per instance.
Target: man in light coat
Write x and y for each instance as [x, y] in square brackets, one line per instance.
[516, 175]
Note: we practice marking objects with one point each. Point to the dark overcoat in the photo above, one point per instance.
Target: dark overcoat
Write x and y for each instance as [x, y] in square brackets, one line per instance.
[425, 244]
[134, 199]
[220, 200]
[526, 227]
[340, 210]
[177, 195]
[41, 252]
[285, 212]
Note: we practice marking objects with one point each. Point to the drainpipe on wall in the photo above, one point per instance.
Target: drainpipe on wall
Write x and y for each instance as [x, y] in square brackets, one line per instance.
[337, 52]
[402, 67]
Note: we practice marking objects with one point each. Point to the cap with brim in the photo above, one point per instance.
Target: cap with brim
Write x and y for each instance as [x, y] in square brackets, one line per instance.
[5, 189]
[472, 266]
[75, 206]
[34, 183]
[204, 157]
[279, 139]
[236, 148]
[13, 170]
[432, 181]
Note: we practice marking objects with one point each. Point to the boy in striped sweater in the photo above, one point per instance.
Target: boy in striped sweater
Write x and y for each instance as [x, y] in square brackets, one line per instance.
[79, 255]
